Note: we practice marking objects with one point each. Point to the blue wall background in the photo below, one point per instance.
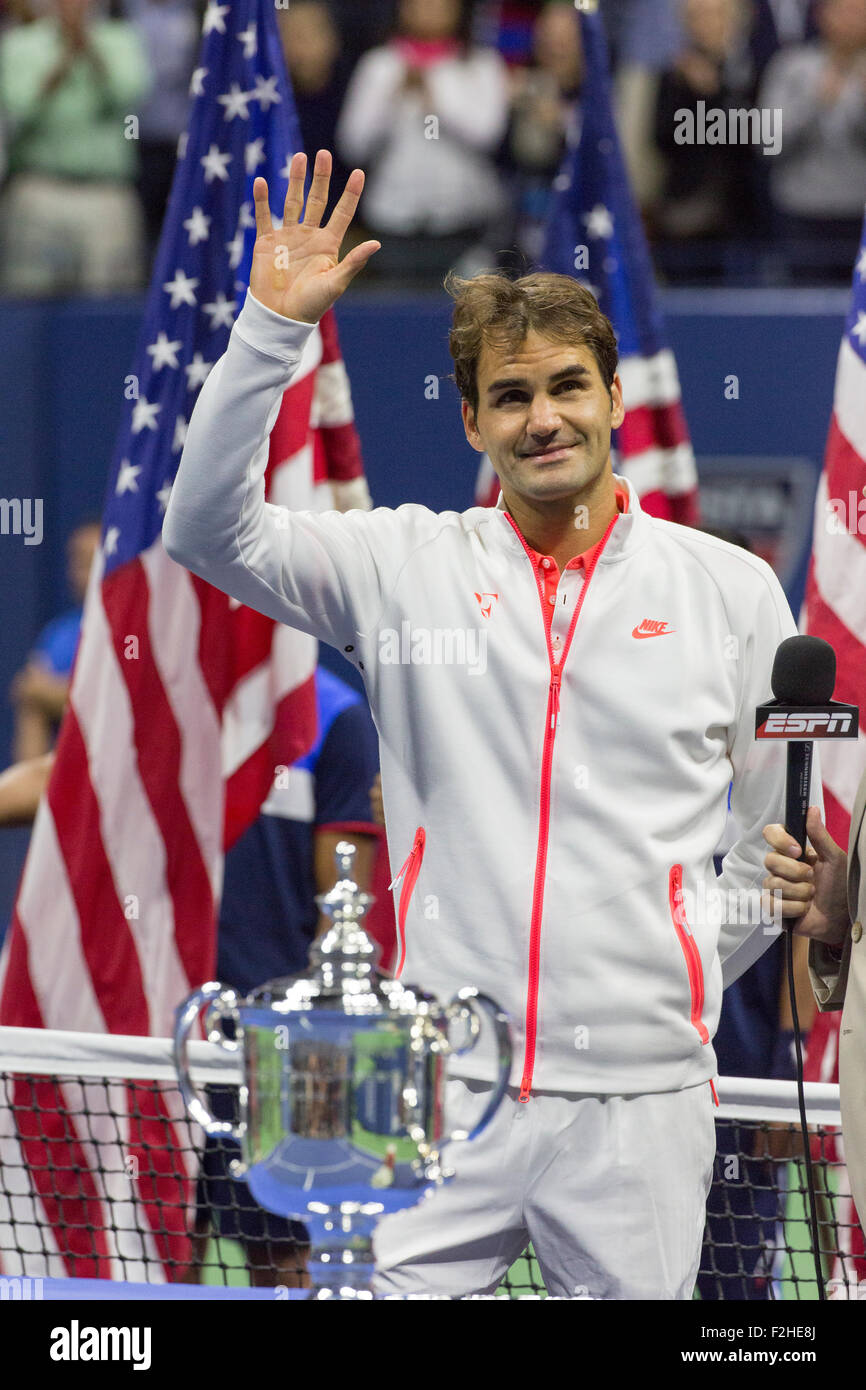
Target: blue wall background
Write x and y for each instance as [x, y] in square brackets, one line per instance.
[62, 369]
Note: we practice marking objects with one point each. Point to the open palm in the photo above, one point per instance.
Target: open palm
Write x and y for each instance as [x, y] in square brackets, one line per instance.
[296, 269]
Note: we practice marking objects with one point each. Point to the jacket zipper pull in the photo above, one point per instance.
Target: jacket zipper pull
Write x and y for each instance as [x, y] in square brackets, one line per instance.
[409, 873]
[555, 685]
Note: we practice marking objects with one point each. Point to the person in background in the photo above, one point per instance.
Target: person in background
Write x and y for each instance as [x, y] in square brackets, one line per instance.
[425, 113]
[707, 190]
[361, 27]
[544, 109]
[170, 32]
[318, 68]
[70, 216]
[268, 919]
[644, 37]
[40, 689]
[818, 179]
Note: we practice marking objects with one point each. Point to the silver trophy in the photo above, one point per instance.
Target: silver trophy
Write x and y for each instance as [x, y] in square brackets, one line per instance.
[342, 1098]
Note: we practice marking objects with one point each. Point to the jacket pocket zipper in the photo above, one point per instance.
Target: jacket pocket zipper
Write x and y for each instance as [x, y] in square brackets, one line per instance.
[409, 874]
[689, 949]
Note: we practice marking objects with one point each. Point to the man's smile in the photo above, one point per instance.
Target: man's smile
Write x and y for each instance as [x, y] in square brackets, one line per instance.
[552, 453]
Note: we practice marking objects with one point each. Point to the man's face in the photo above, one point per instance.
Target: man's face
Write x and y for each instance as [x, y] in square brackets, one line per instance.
[558, 404]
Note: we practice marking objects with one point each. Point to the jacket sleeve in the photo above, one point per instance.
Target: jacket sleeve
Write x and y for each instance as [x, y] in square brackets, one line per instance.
[324, 573]
[758, 783]
[828, 975]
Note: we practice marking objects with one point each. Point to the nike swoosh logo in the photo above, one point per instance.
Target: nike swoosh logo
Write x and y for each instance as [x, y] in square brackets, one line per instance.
[636, 632]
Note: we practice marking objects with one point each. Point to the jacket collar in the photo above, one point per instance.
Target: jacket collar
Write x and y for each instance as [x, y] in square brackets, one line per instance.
[628, 534]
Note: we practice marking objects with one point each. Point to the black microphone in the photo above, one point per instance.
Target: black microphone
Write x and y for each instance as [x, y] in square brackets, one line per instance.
[804, 674]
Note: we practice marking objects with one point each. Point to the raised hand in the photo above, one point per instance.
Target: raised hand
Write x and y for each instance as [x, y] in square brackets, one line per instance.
[296, 270]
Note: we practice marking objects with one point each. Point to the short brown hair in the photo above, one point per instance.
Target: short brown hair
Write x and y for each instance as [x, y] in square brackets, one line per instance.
[492, 309]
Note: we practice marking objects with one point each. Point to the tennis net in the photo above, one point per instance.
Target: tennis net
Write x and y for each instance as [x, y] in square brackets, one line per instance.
[102, 1175]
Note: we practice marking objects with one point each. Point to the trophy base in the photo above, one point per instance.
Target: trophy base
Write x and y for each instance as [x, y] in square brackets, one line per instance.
[342, 1262]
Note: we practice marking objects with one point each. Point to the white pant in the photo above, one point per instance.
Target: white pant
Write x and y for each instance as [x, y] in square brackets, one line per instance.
[611, 1190]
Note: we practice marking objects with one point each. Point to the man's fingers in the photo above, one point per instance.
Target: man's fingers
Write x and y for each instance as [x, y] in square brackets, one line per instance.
[778, 838]
[355, 261]
[796, 892]
[791, 870]
[295, 192]
[263, 210]
[343, 213]
[317, 198]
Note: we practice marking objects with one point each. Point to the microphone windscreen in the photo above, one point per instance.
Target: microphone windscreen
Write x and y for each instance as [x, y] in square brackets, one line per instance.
[804, 671]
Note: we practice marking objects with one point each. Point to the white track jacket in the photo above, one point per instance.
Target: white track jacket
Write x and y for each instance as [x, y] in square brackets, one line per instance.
[555, 803]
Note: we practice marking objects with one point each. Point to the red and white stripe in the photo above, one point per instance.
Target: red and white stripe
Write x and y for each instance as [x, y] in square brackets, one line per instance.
[835, 609]
[182, 704]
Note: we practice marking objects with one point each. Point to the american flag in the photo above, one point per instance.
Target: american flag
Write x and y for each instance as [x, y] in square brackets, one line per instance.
[594, 234]
[182, 702]
[835, 609]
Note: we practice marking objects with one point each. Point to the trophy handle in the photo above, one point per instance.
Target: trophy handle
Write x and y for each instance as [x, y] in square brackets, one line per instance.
[472, 1002]
[221, 1001]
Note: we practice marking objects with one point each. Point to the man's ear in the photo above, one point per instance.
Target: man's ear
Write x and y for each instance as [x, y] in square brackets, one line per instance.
[617, 408]
[471, 428]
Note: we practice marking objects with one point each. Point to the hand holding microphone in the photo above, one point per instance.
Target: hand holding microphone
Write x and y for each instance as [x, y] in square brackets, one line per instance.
[813, 885]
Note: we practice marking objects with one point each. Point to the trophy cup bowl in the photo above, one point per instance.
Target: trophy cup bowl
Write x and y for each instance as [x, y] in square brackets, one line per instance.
[342, 1093]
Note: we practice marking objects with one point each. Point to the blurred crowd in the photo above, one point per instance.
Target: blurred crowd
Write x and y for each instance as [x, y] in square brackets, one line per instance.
[460, 112]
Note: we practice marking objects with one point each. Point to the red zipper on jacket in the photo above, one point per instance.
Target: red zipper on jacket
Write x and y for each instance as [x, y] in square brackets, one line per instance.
[552, 720]
[411, 870]
[690, 951]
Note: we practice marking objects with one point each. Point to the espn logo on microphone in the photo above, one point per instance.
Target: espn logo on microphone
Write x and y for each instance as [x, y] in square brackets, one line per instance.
[806, 722]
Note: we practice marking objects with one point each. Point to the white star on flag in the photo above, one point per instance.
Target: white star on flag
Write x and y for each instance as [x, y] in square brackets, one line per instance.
[182, 142]
[181, 289]
[164, 353]
[236, 102]
[221, 311]
[196, 84]
[235, 248]
[266, 93]
[180, 430]
[163, 495]
[144, 415]
[197, 372]
[286, 171]
[599, 222]
[126, 477]
[214, 18]
[215, 162]
[859, 329]
[861, 265]
[112, 536]
[254, 154]
[249, 39]
[198, 226]
[246, 216]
